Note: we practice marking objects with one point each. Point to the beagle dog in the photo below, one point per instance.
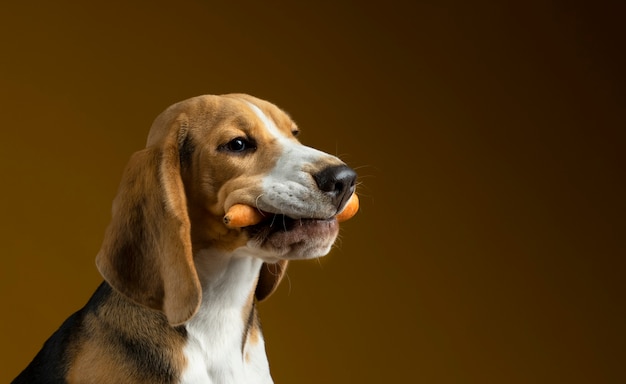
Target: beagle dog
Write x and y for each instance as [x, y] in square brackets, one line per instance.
[178, 301]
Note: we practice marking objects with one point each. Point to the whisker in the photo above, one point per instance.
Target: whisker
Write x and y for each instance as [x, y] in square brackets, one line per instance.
[361, 176]
[256, 202]
[286, 275]
[256, 205]
[273, 220]
[338, 241]
[363, 166]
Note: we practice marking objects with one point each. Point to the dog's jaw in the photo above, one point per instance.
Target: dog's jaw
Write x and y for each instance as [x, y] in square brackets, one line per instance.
[284, 238]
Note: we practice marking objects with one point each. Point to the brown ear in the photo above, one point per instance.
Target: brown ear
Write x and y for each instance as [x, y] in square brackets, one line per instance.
[269, 278]
[146, 254]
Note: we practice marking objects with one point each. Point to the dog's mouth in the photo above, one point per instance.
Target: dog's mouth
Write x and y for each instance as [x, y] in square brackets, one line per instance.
[278, 223]
[281, 233]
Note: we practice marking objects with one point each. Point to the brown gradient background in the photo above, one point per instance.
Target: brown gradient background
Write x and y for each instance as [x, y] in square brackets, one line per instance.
[489, 139]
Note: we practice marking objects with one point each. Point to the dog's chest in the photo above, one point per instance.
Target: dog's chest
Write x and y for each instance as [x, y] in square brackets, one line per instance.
[213, 357]
[218, 349]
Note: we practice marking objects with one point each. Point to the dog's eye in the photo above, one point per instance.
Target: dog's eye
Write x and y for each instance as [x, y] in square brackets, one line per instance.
[295, 132]
[239, 144]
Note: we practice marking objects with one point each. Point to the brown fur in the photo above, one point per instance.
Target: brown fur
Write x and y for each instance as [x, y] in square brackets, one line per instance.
[170, 202]
[119, 337]
[184, 207]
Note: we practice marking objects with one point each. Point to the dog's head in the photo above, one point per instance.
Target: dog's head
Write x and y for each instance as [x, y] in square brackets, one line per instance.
[204, 155]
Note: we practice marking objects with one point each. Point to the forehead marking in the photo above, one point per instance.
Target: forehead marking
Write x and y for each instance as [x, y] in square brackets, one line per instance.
[295, 153]
[269, 124]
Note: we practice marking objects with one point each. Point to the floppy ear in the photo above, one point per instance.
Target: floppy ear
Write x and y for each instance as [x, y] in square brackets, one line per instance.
[269, 278]
[146, 254]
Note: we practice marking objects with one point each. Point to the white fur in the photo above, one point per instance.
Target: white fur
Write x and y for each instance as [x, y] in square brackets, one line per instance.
[289, 187]
[215, 334]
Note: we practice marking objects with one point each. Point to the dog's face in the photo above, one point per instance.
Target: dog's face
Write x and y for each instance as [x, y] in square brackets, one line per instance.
[239, 149]
[204, 155]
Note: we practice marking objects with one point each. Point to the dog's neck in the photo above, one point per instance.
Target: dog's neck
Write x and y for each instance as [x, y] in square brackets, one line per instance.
[219, 349]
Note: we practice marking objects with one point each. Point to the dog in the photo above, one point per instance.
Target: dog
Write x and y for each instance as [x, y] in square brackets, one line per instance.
[178, 300]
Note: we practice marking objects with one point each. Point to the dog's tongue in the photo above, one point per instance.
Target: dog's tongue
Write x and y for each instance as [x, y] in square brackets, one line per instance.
[349, 210]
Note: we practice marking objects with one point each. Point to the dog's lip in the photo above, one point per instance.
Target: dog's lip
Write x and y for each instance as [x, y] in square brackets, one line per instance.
[282, 233]
[270, 218]
[285, 221]
[274, 225]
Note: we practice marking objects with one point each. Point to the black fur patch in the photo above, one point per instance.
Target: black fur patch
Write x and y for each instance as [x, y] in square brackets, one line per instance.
[185, 149]
[50, 365]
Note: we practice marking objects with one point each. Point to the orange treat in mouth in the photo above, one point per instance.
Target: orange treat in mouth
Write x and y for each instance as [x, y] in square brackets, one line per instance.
[242, 215]
[350, 209]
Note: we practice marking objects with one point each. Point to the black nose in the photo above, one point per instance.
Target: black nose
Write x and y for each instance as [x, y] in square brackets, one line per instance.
[338, 182]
